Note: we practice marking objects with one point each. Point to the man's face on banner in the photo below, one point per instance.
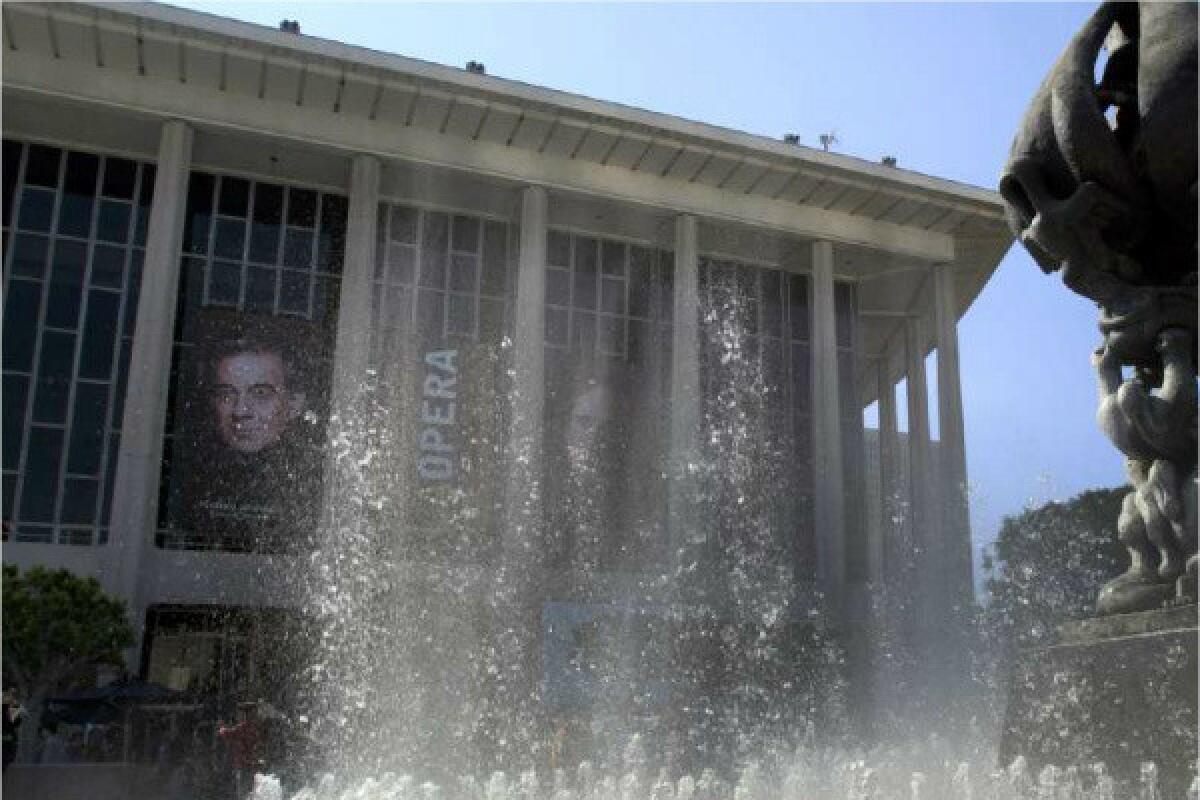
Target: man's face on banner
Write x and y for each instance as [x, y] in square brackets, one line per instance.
[251, 400]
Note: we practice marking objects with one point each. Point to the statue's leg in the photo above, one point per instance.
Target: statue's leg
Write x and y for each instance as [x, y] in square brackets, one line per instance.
[1162, 510]
[1139, 588]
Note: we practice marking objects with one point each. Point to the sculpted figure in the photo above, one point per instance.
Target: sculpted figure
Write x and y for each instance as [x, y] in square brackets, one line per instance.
[1101, 185]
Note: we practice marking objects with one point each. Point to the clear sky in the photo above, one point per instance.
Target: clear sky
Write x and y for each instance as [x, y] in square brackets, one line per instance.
[940, 86]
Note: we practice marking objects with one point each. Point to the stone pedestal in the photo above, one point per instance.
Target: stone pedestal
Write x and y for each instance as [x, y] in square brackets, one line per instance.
[1119, 689]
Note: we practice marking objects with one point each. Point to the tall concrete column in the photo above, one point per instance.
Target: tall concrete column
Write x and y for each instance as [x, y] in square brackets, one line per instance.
[956, 527]
[139, 459]
[923, 522]
[889, 478]
[685, 383]
[829, 512]
[353, 342]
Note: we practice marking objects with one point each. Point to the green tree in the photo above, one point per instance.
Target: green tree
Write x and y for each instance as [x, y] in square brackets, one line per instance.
[57, 628]
[1049, 565]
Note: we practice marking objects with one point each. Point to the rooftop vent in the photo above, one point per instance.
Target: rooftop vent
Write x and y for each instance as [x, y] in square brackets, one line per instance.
[289, 25]
[791, 138]
[888, 161]
[476, 68]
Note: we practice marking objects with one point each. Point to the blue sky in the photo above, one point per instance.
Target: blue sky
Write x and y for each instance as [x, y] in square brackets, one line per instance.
[940, 86]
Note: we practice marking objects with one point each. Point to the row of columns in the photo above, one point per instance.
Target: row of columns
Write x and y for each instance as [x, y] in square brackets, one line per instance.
[139, 460]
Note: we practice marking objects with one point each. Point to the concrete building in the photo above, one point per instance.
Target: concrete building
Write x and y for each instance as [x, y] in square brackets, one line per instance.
[436, 232]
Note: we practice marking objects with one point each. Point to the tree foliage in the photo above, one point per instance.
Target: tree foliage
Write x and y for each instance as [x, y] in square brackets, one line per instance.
[1050, 563]
[57, 627]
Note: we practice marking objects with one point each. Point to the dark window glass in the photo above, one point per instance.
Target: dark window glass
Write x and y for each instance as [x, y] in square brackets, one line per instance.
[558, 287]
[62, 306]
[75, 205]
[585, 273]
[16, 394]
[558, 249]
[433, 250]
[401, 261]
[87, 430]
[268, 204]
[135, 288]
[20, 324]
[29, 255]
[199, 214]
[122, 377]
[234, 199]
[466, 234]
[146, 192]
[80, 178]
[798, 306]
[801, 380]
[99, 334]
[260, 290]
[430, 315]
[54, 377]
[491, 320]
[583, 339]
[230, 239]
[112, 222]
[332, 237]
[404, 225]
[41, 474]
[461, 314]
[297, 248]
[41, 166]
[224, 283]
[556, 327]
[772, 308]
[612, 335]
[495, 260]
[302, 208]
[843, 299]
[612, 295]
[264, 243]
[462, 273]
[10, 497]
[326, 297]
[108, 266]
[293, 292]
[11, 166]
[120, 176]
[612, 258]
[79, 501]
[398, 310]
[37, 208]
[114, 442]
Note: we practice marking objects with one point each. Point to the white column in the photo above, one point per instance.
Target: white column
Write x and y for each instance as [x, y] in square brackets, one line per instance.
[889, 447]
[829, 513]
[352, 348]
[139, 460]
[924, 523]
[685, 381]
[956, 527]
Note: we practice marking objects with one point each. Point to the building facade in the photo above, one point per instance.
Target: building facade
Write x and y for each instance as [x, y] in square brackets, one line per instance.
[635, 335]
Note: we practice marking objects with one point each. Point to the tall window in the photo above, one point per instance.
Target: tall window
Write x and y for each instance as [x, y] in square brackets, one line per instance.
[608, 361]
[259, 289]
[444, 286]
[74, 239]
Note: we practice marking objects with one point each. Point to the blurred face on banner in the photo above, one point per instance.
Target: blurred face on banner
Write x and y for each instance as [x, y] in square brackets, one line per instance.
[251, 401]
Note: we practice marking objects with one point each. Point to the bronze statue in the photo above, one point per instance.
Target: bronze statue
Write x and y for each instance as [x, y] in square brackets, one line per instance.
[1101, 184]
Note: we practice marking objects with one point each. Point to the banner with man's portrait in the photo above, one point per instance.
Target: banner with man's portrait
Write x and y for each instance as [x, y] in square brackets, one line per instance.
[249, 449]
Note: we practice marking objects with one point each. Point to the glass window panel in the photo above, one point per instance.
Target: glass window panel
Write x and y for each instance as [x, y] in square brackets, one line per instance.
[62, 306]
[20, 324]
[584, 295]
[268, 204]
[234, 197]
[10, 497]
[403, 226]
[41, 474]
[462, 272]
[642, 275]
[298, 248]
[16, 394]
[402, 259]
[801, 378]
[200, 192]
[331, 244]
[79, 537]
[461, 314]
[224, 283]
[843, 303]
[54, 377]
[122, 378]
[612, 335]
[612, 258]
[11, 167]
[326, 297]
[112, 221]
[466, 234]
[641, 342]
[30, 255]
[230, 239]
[558, 287]
[556, 326]
[41, 166]
[260, 289]
[37, 207]
[87, 430]
[79, 501]
[293, 291]
[433, 250]
[558, 249]
[120, 176]
[264, 243]
[430, 315]
[114, 442]
[302, 208]
[35, 533]
[191, 294]
[583, 334]
[612, 295]
[491, 320]
[798, 306]
[80, 178]
[495, 260]
[398, 309]
[99, 335]
[772, 303]
[108, 266]
[666, 289]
